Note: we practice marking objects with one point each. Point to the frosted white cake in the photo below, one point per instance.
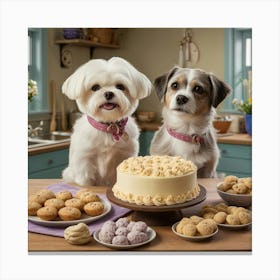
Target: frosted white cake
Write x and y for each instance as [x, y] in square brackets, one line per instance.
[156, 180]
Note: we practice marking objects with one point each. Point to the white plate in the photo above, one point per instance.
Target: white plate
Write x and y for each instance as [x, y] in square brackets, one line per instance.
[193, 238]
[84, 218]
[151, 236]
[234, 226]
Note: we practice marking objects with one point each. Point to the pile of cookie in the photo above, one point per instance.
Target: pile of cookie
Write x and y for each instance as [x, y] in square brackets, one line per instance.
[224, 214]
[63, 206]
[196, 226]
[234, 185]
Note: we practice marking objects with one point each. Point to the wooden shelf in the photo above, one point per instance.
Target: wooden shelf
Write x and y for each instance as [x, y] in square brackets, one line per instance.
[82, 43]
[85, 43]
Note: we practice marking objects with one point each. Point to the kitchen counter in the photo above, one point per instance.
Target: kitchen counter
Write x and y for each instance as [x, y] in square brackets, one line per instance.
[166, 240]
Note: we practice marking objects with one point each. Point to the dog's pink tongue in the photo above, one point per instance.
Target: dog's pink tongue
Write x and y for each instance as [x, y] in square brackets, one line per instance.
[108, 106]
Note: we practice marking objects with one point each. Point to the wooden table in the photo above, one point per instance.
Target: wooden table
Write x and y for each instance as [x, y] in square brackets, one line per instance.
[166, 240]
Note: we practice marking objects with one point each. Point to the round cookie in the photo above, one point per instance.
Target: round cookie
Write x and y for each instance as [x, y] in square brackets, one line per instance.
[47, 193]
[64, 195]
[122, 222]
[220, 217]
[240, 188]
[76, 203]
[230, 180]
[69, 213]
[206, 227]
[79, 192]
[245, 217]
[223, 187]
[55, 202]
[94, 208]
[135, 237]
[196, 219]
[232, 219]
[120, 240]
[33, 207]
[189, 229]
[37, 197]
[47, 213]
[89, 196]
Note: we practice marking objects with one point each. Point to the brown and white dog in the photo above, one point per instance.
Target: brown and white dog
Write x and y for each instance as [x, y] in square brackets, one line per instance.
[189, 97]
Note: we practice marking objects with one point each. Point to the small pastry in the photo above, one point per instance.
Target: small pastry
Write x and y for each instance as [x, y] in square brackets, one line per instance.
[140, 226]
[47, 193]
[135, 237]
[94, 208]
[189, 230]
[220, 217]
[122, 222]
[78, 234]
[122, 231]
[55, 202]
[206, 227]
[245, 217]
[33, 207]
[69, 213]
[106, 236]
[230, 180]
[240, 188]
[47, 213]
[79, 192]
[120, 240]
[89, 196]
[64, 195]
[232, 219]
[75, 202]
[37, 197]
[196, 219]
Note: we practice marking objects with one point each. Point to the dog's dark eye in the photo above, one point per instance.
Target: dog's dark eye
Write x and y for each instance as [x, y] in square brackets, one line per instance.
[120, 87]
[198, 89]
[95, 87]
[174, 85]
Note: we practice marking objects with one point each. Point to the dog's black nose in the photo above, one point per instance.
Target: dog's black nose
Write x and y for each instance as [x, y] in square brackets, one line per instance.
[181, 99]
[109, 95]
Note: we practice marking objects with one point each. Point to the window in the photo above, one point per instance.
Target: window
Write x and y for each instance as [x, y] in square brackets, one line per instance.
[37, 68]
[238, 65]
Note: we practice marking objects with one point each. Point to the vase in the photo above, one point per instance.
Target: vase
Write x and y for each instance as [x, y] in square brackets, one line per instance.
[248, 124]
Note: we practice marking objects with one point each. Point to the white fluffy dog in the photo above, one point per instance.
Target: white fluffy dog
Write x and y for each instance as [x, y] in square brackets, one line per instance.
[107, 93]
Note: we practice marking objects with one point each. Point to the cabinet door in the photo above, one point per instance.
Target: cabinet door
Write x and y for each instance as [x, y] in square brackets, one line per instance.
[235, 160]
[47, 165]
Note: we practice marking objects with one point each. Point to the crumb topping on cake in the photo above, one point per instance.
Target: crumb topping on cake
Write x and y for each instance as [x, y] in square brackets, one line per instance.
[157, 166]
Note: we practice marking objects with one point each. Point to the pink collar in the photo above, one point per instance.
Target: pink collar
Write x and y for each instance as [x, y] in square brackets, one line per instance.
[116, 129]
[194, 138]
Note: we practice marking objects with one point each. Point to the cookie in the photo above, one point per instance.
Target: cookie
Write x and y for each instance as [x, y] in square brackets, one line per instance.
[244, 217]
[206, 227]
[196, 219]
[220, 217]
[79, 192]
[230, 180]
[189, 229]
[33, 207]
[240, 188]
[232, 219]
[47, 193]
[64, 195]
[47, 213]
[69, 213]
[55, 202]
[37, 197]
[75, 202]
[89, 196]
[94, 208]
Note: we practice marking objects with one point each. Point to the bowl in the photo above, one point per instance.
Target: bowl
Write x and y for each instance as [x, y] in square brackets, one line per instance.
[221, 126]
[242, 200]
[146, 116]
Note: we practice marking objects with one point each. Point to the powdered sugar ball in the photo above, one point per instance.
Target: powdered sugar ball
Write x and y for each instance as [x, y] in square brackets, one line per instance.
[106, 236]
[109, 226]
[135, 237]
[130, 225]
[122, 222]
[139, 226]
[122, 231]
[120, 240]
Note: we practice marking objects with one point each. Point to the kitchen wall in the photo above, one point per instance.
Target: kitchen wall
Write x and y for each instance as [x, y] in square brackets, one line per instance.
[151, 50]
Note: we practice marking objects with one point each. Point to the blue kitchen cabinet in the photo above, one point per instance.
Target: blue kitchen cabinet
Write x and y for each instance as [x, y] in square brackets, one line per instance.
[235, 160]
[47, 165]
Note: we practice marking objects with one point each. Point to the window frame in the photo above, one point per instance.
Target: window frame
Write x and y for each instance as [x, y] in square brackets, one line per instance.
[234, 64]
[37, 70]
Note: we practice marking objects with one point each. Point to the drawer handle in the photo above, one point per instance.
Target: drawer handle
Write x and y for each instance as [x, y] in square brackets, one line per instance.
[50, 161]
[224, 152]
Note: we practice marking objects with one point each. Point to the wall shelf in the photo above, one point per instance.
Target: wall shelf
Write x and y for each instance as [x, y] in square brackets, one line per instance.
[82, 43]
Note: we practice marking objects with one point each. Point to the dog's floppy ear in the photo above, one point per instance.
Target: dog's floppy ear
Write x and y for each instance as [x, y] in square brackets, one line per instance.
[160, 83]
[220, 90]
[74, 85]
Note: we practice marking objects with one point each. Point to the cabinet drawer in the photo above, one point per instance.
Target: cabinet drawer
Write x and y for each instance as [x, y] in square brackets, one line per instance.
[235, 151]
[47, 160]
[51, 173]
[229, 165]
